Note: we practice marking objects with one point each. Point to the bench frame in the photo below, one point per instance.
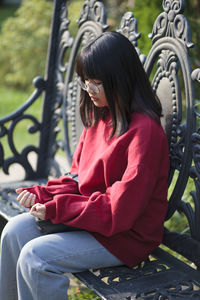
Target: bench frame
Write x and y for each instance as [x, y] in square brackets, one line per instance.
[162, 275]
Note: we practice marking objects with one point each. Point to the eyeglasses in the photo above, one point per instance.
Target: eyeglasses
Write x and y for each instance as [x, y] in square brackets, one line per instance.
[95, 87]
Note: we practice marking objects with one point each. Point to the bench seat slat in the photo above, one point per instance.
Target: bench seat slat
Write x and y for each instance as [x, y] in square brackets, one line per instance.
[161, 275]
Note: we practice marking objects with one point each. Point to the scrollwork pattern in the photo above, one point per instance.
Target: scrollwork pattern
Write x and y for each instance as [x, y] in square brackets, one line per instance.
[194, 215]
[167, 67]
[128, 27]
[182, 289]
[172, 23]
[93, 10]
[9, 124]
[64, 45]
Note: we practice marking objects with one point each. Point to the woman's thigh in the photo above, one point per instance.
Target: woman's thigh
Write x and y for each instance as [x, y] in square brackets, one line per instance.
[21, 229]
[68, 252]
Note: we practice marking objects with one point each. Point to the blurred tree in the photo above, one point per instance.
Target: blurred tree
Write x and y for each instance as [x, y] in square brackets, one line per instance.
[24, 40]
[146, 12]
[192, 12]
[115, 9]
[24, 37]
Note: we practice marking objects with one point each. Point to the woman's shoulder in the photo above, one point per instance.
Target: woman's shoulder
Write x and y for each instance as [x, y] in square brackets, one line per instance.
[142, 121]
[145, 125]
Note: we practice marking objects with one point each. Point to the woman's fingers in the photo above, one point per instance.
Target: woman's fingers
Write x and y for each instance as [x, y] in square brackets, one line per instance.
[21, 196]
[26, 198]
[30, 201]
[18, 191]
[38, 210]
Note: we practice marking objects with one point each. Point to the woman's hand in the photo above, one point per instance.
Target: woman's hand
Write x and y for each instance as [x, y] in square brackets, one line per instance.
[38, 210]
[25, 198]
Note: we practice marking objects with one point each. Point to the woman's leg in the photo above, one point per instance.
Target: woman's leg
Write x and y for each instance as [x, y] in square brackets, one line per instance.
[17, 232]
[43, 261]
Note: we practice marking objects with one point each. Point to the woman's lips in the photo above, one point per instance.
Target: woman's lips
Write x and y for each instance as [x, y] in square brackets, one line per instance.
[93, 98]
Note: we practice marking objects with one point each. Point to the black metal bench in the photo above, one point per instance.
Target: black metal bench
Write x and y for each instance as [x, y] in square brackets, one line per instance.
[162, 275]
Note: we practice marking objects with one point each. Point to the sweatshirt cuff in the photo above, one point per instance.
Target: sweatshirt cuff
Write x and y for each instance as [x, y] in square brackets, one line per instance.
[50, 210]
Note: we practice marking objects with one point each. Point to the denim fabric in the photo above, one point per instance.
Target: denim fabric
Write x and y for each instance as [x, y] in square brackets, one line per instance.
[32, 264]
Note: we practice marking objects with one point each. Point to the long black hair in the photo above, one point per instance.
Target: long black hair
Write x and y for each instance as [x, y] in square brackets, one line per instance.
[112, 59]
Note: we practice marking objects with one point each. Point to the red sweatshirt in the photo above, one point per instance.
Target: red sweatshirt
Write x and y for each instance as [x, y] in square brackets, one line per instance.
[121, 198]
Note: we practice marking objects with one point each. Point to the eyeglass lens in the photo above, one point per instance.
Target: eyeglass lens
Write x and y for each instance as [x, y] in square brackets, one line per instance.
[90, 85]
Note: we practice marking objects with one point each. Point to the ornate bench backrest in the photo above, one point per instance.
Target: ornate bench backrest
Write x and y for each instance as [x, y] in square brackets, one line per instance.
[168, 66]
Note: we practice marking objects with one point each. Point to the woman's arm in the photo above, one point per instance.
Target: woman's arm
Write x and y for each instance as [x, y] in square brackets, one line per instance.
[63, 185]
[141, 189]
[115, 210]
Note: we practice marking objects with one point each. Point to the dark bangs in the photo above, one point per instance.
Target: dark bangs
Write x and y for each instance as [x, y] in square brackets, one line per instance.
[88, 66]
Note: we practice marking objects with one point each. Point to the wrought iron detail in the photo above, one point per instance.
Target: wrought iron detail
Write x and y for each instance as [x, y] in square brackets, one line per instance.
[172, 23]
[181, 289]
[123, 274]
[64, 44]
[196, 75]
[167, 70]
[92, 22]
[195, 170]
[93, 10]
[10, 123]
[171, 40]
[128, 27]
[193, 213]
[169, 284]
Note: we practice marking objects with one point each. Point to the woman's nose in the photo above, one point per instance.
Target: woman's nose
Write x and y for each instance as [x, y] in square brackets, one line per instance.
[90, 88]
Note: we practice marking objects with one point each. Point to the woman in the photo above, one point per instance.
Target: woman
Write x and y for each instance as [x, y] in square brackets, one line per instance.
[120, 201]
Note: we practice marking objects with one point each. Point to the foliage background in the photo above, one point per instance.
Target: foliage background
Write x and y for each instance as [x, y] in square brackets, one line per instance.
[24, 37]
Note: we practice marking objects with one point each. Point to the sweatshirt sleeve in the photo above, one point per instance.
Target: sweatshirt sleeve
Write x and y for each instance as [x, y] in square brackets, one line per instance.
[114, 211]
[77, 153]
[61, 185]
[125, 200]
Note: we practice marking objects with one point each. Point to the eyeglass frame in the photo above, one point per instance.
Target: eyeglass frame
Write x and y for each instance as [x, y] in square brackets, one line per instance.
[84, 86]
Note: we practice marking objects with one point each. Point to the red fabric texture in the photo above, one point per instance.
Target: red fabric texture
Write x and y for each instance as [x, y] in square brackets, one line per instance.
[121, 198]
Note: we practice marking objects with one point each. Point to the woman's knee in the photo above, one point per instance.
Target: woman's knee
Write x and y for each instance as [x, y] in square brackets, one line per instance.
[10, 230]
[20, 230]
[31, 262]
[28, 261]
[15, 224]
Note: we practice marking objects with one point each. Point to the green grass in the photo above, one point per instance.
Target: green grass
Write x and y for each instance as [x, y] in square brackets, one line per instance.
[81, 293]
[11, 99]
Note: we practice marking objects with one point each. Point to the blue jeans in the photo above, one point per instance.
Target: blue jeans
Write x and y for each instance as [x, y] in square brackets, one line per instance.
[32, 265]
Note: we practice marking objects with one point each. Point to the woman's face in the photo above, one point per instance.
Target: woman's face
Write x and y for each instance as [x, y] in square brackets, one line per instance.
[96, 92]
